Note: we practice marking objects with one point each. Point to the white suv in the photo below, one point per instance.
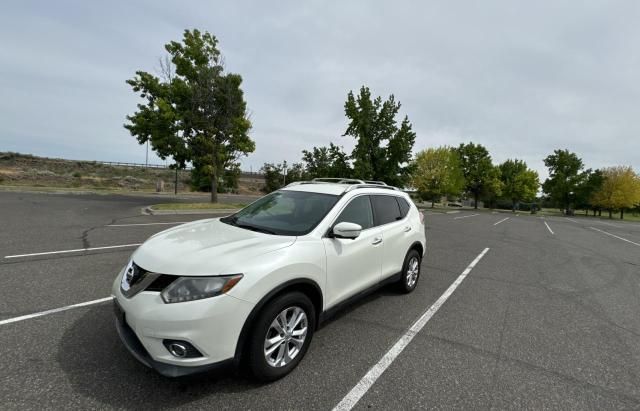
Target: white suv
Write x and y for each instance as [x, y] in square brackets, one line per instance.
[254, 286]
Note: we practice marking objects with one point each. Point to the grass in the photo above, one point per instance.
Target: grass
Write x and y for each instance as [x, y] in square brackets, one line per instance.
[87, 190]
[196, 206]
[23, 170]
[28, 172]
[628, 216]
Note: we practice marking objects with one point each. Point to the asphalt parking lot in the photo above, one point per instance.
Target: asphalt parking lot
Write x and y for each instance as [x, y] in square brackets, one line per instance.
[548, 318]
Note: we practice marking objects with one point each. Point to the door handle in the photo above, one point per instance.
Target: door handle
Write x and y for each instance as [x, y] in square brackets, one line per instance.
[376, 241]
[407, 229]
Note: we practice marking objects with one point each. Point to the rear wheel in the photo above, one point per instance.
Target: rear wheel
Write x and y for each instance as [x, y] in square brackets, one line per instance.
[410, 272]
[281, 336]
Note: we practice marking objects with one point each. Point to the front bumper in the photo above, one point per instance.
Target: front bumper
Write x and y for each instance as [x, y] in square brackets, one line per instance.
[135, 347]
[211, 325]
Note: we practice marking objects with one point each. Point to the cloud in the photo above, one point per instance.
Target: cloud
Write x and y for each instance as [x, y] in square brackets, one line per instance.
[521, 78]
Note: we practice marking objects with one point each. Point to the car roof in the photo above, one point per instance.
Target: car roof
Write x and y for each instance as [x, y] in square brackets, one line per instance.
[339, 188]
[327, 188]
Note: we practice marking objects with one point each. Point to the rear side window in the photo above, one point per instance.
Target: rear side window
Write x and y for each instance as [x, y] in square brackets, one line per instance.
[358, 211]
[404, 206]
[385, 209]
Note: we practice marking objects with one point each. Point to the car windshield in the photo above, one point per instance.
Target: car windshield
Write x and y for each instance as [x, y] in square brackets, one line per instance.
[284, 213]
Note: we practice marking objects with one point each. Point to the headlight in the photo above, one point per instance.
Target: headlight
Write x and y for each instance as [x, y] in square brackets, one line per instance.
[196, 288]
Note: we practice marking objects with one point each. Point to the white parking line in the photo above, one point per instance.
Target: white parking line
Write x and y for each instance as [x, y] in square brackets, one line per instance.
[465, 216]
[453, 212]
[609, 224]
[549, 228]
[357, 392]
[78, 250]
[501, 221]
[131, 225]
[572, 220]
[613, 235]
[55, 310]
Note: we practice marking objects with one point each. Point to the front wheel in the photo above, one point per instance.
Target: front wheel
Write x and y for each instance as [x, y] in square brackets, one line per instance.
[281, 336]
[410, 272]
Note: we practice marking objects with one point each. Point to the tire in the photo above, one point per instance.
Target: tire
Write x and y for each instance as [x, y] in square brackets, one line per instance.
[409, 278]
[287, 351]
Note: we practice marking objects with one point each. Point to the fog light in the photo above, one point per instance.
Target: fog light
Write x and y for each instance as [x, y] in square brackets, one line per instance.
[177, 349]
[181, 349]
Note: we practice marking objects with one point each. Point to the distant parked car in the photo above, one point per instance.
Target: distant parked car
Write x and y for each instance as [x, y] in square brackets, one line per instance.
[255, 285]
[454, 205]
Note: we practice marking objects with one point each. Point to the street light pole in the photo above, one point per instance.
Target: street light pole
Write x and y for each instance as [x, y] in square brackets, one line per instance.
[284, 175]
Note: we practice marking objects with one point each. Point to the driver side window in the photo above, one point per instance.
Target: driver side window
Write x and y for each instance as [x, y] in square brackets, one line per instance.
[358, 211]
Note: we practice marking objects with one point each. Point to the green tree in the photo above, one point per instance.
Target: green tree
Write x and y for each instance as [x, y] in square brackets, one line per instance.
[437, 173]
[565, 176]
[227, 182]
[277, 176]
[620, 190]
[519, 183]
[479, 174]
[383, 149]
[585, 191]
[329, 161]
[196, 112]
[273, 177]
[294, 172]
[492, 189]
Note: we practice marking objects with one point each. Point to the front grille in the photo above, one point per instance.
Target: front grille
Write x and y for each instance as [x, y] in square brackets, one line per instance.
[136, 279]
[137, 274]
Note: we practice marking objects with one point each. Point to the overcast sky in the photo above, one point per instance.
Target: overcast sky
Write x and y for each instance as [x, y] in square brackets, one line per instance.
[521, 78]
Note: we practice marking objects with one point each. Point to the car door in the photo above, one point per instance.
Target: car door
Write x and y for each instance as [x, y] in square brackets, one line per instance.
[353, 264]
[394, 228]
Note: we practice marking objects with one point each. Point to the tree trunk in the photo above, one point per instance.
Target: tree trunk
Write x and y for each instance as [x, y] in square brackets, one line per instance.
[433, 203]
[175, 189]
[214, 188]
[475, 201]
[621, 214]
[610, 213]
[599, 212]
[513, 206]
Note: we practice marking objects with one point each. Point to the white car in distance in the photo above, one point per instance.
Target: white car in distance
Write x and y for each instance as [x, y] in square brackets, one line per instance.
[254, 286]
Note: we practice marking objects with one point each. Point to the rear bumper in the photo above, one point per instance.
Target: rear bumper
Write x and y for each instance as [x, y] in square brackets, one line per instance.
[135, 347]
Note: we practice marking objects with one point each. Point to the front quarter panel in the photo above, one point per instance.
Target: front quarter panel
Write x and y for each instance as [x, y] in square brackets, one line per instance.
[305, 259]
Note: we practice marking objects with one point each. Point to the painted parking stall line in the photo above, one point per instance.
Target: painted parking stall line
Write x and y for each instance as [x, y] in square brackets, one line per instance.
[501, 221]
[549, 228]
[615, 236]
[143, 224]
[53, 311]
[77, 250]
[465, 216]
[357, 392]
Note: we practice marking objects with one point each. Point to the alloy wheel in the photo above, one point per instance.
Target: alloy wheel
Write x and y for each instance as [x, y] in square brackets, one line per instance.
[413, 269]
[285, 337]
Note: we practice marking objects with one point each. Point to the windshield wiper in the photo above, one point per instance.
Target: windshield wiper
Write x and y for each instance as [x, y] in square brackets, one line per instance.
[254, 228]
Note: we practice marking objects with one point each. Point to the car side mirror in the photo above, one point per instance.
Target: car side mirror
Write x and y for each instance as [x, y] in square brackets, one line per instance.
[346, 230]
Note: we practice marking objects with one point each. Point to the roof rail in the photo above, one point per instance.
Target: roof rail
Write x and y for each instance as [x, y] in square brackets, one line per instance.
[351, 183]
[338, 180]
[355, 186]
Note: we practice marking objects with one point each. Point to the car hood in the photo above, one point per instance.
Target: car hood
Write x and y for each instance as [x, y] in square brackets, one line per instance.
[205, 247]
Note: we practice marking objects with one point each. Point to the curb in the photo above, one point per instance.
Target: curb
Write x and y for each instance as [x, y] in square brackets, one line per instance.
[151, 211]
